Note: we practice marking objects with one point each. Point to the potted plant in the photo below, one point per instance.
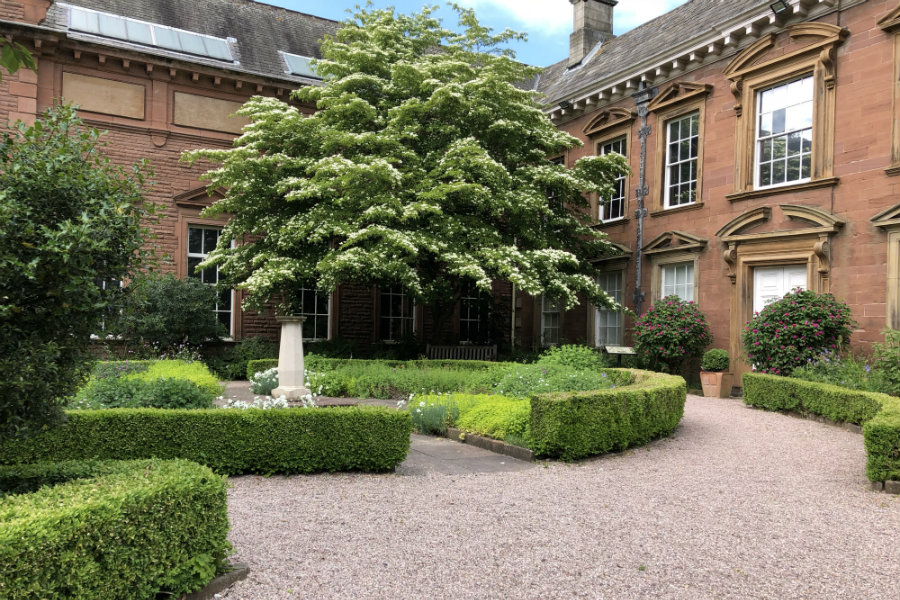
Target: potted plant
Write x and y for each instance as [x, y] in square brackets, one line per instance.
[716, 381]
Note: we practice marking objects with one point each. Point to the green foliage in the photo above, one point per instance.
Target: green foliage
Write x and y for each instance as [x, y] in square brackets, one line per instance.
[846, 372]
[790, 332]
[669, 333]
[887, 363]
[14, 55]
[521, 381]
[149, 384]
[878, 413]
[264, 364]
[496, 417]
[833, 402]
[715, 360]
[412, 155]
[882, 440]
[574, 425]
[264, 382]
[230, 442]
[124, 530]
[432, 415]
[571, 355]
[166, 311]
[69, 220]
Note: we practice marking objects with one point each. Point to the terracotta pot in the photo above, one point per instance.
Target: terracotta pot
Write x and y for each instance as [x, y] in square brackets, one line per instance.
[716, 384]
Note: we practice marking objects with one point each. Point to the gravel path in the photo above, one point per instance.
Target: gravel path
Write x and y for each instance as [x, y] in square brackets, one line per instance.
[739, 503]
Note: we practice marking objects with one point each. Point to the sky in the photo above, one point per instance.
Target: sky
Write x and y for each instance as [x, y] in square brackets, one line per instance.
[547, 23]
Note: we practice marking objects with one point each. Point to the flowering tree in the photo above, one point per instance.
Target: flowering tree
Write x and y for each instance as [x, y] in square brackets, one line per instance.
[796, 330]
[426, 166]
[671, 332]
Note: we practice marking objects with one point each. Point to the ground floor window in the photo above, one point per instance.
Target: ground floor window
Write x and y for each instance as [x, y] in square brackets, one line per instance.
[677, 279]
[474, 316]
[551, 320]
[202, 239]
[396, 311]
[609, 330]
[314, 305]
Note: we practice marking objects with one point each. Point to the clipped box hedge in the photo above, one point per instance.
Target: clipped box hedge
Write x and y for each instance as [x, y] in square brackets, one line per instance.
[573, 425]
[879, 414]
[230, 441]
[313, 362]
[110, 531]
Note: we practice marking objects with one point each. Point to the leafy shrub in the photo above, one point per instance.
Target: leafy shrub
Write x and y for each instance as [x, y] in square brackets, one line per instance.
[230, 442]
[232, 364]
[166, 311]
[574, 425]
[496, 417]
[264, 364]
[571, 355]
[881, 434]
[795, 330]
[149, 384]
[669, 333]
[264, 382]
[124, 530]
[521, 381]
[887, 363]
[430, 417]
[847, 372]
[715, 360]
[69, 218]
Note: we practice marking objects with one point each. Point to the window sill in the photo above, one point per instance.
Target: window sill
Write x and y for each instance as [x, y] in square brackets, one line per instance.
[785, 189]
[661, 212]
[893, 170]
[605, 224]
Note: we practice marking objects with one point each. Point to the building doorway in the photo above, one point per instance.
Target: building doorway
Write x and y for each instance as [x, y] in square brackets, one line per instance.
[772, 283]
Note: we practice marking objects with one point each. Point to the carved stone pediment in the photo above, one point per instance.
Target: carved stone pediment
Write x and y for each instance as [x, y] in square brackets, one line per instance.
[677, 92]
[674, 241]
[198, 198]
[887, 219]
[890, 21]
[608, 119]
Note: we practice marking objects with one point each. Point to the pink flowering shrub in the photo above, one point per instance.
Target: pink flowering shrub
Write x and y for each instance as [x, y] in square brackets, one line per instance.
[796, 330]
[670, 333]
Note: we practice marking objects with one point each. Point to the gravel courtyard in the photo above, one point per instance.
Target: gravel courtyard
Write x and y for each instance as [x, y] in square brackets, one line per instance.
[739, 503]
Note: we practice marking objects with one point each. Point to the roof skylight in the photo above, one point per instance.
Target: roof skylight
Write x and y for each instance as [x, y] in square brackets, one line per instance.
[149, 34]
[298, 65]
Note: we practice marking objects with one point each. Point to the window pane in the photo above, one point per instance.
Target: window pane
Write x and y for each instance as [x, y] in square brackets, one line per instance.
[191, 42]
[138, 32]
[82, 20]
[166, 38]
[217, 48]
[195, 240]
[210, 239]
[112, 26]
[192, 266]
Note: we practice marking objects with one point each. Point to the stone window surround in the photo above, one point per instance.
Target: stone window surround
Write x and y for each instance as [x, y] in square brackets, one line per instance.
[748, 78]
[659, 261]
[608, 125]
[890, 23]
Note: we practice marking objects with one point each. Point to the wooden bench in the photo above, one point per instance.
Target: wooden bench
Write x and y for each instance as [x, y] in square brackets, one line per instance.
[461, 352]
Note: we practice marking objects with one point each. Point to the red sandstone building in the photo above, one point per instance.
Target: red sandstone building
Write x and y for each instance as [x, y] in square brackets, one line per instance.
[764, 143]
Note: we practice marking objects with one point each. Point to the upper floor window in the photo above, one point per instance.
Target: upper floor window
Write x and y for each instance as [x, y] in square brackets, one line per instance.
[615, 208]
[682, 152]
[298, 65]
[396, 312]
[784, 133]
[201, 241]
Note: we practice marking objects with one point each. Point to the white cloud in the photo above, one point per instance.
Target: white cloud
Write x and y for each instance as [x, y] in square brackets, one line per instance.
[542, 17]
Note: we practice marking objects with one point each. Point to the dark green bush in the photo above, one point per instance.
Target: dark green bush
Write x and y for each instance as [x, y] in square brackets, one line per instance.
[669, 333]
[232, 364]
[69, 219]
[830, 401]
[878, 413]
[715, 360]
[886, 376]
[320, 363]
[166, 311]
[791, 332]
[157, 393]
[643, 406]
[123, 530]
[882, 439]
[229, 441]
[264, 364]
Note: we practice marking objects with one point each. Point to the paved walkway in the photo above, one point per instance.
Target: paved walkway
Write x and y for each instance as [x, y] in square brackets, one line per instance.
[737, 504]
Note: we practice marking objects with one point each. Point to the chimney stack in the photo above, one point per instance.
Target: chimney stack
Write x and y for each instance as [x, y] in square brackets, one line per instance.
[593, 24]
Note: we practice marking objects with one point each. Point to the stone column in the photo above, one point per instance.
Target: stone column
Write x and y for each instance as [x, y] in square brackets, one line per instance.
[290, 359]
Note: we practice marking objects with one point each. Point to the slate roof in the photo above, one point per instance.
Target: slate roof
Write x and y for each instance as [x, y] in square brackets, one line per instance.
[261, 30]
[655, 38]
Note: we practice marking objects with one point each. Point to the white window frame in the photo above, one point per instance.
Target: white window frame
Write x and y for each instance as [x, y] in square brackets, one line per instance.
[603, 316]
[760, 139]
[692, 117]
[669, 288]
[202, 256]
[621, 192]
[405, 301]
